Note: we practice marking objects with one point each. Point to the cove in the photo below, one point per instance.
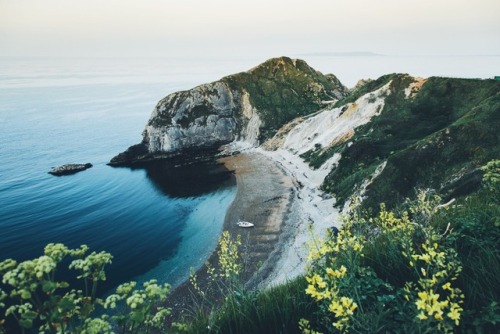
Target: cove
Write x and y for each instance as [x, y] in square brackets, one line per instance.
[210, 188]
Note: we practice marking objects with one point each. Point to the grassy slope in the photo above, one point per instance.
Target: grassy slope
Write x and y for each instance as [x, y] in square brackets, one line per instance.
[442, 134]
[282, 89]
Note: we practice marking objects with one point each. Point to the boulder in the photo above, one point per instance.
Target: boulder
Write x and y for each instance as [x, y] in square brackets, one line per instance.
[69, 169]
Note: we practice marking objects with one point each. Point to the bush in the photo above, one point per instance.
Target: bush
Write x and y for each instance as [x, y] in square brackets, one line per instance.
[396, 272]
[37, 300]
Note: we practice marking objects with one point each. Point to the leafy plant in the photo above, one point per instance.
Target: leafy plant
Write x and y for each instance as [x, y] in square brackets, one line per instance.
[37, 300]
[354, 292]
[138, 313]
[491, 178]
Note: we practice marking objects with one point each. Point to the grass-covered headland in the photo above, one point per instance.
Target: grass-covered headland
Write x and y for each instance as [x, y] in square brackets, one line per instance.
[423, 267]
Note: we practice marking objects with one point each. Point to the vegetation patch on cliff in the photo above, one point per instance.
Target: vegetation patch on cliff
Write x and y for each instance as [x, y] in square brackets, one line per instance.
[282, 89]
[435, 139]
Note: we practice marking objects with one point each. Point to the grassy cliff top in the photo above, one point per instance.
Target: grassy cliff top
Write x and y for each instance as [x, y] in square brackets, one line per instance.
[283, 88]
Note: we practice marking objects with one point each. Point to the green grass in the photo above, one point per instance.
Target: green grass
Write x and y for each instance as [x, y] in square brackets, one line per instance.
[282, 90]
[442, 134]
[476, 237]
[277, 310]
[364, 89]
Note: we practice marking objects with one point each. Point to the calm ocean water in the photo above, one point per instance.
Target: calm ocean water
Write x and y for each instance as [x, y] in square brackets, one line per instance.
[68, 111]
[57, 111]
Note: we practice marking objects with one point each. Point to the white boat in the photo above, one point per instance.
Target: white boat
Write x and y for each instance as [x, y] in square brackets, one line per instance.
[244, 224]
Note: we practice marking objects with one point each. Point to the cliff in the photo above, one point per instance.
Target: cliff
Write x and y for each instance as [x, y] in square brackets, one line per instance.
[398, 133]
[380, 141]
[249, 106]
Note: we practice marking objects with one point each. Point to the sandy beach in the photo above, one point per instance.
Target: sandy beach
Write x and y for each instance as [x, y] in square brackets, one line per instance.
[278, 193]
[264, 197]
[309, 216]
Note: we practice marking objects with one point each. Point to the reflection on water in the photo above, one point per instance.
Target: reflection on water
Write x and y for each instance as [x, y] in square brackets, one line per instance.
[210, 188]
[190, 180]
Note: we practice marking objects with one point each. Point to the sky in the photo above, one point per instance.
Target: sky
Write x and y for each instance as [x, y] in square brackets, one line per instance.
[158, 28]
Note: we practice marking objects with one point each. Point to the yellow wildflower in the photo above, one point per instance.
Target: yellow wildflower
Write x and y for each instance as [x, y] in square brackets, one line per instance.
[336, 309]
[311, 290]
[454, 313]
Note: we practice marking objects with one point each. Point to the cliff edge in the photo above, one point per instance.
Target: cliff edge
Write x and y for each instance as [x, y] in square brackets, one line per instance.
[249, 106]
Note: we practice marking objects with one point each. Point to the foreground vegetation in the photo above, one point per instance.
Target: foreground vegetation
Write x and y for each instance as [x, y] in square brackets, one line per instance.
[423, 267]
[41, 302]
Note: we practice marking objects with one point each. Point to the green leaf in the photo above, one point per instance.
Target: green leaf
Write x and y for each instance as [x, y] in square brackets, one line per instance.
[66, 304]
[26, 323]
[25, 294]
[137, 317]
[30, 315]
[49, 286]
[62, 284]
[87, 308]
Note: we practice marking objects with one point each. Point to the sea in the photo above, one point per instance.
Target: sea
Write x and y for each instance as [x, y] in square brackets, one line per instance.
[158, 221]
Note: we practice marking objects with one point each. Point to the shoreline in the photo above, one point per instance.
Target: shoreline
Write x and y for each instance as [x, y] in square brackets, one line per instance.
[278, 193]
[264, 197]
[310, 216]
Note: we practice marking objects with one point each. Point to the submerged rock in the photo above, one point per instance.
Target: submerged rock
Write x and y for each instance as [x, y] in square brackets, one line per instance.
[69, 169]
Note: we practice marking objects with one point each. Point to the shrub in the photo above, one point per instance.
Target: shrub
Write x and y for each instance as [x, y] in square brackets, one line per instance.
[37, 300]
[355, 292]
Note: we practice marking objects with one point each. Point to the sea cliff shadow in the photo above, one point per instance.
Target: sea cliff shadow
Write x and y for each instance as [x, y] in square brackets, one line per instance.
[176, 179]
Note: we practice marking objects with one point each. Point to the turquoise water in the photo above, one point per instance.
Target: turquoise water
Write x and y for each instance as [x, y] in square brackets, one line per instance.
[87, 111]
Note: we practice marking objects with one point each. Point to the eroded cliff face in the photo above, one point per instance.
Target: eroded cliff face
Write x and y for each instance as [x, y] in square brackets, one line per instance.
[249, 106]
[200, 117]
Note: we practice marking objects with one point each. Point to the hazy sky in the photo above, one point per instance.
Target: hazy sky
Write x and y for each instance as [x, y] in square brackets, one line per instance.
[259, 27]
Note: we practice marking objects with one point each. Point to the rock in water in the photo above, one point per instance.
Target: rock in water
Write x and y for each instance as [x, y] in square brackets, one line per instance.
[69, 169]
[249, 106]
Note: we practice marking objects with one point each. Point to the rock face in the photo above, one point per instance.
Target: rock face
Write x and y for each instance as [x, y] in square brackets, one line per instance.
[201, 117]
[69, 169]
[249, 106]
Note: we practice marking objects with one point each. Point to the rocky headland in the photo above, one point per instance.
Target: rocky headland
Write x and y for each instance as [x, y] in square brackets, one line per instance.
[319, 143]
[249, 106]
